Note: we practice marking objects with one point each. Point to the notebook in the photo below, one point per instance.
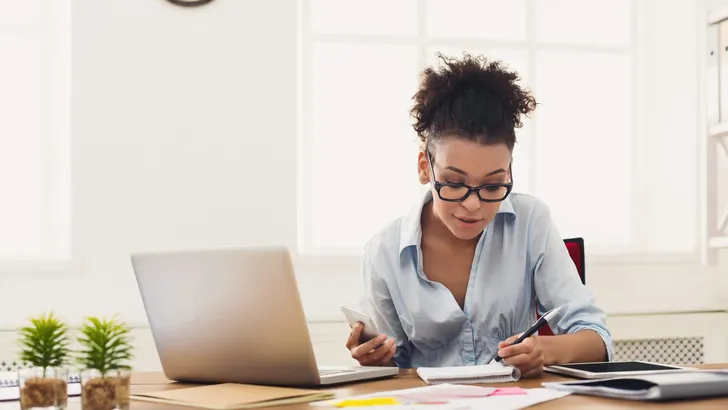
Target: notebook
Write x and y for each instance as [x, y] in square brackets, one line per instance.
[227, 396]
[487, 373]
[9, 386]
[654, 387]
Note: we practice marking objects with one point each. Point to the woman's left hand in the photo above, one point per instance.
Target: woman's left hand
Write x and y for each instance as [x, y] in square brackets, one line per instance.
[527, 356]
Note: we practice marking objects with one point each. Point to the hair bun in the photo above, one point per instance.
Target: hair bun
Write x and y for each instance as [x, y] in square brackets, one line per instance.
[472, 97]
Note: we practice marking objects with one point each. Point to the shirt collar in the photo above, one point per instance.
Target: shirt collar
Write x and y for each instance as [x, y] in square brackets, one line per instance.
[411, 229]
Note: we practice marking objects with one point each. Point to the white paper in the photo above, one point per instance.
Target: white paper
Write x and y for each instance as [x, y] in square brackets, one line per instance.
[511, 402]
[515, 402]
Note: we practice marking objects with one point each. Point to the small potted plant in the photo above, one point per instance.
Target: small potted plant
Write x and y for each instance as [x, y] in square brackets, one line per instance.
[106, 350]
[44, 345]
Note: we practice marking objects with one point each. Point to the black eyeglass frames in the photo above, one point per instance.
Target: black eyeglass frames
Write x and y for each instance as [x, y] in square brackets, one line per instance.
[458, 192]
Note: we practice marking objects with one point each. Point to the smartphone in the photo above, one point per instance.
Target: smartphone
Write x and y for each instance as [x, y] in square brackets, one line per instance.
[370, 330]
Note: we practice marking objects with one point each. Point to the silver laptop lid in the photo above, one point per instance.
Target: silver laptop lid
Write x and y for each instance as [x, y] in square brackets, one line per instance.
[227, 315]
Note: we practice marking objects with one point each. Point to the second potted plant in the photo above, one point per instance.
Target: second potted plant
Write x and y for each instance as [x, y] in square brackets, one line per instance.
[104, 356]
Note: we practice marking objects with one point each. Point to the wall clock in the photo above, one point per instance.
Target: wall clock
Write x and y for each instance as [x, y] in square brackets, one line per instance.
[189, 3]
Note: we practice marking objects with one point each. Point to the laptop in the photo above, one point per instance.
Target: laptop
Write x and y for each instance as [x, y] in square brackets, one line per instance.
[233, 315]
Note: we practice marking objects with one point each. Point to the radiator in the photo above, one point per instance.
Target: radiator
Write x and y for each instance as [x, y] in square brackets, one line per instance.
[12, 365]
[686, 350]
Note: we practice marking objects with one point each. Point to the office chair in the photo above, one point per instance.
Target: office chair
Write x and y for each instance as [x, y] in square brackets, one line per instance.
[575, 246]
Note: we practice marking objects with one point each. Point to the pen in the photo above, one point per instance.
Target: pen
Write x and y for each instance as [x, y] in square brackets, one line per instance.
[533, 329]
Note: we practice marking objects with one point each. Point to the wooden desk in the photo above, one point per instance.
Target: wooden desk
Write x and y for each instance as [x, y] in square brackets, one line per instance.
[147, 382]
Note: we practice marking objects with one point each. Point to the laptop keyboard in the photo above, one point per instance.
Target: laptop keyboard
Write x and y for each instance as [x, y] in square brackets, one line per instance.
[327, 372]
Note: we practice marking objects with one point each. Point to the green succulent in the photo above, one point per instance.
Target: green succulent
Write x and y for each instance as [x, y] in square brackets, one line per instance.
[105, 345]
[44, 343]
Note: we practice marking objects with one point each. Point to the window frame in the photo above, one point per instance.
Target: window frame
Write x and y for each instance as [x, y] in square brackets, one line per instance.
[54, 31]
[608, 256]
[712, 137]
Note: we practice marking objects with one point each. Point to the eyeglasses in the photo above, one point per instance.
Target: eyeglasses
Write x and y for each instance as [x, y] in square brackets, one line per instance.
[458, 192]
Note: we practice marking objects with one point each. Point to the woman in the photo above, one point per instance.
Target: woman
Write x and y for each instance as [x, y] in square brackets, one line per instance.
[460, 277]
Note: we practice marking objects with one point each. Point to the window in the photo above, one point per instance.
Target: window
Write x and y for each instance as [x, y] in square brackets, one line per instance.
[584, 151]
[34, 131]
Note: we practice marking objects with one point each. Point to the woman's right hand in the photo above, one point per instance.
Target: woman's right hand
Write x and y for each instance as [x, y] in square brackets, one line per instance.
[376, 352]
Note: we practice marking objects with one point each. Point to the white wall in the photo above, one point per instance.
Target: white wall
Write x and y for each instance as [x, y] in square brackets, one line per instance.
[183, 129]
[184, 135]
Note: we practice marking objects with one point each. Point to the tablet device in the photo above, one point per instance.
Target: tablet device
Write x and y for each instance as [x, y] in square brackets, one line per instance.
[603, 370]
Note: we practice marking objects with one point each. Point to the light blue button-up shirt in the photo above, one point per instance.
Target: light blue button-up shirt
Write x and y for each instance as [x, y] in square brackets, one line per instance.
[521, 264]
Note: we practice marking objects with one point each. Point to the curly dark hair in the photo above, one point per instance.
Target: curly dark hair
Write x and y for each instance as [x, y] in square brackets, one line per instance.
[471, 98]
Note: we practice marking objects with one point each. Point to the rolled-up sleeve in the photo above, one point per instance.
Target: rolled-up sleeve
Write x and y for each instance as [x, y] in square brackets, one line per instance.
[557, 283]
[376, 302]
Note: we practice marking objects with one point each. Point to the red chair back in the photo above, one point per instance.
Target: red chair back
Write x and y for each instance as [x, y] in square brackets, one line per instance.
[575, 246]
